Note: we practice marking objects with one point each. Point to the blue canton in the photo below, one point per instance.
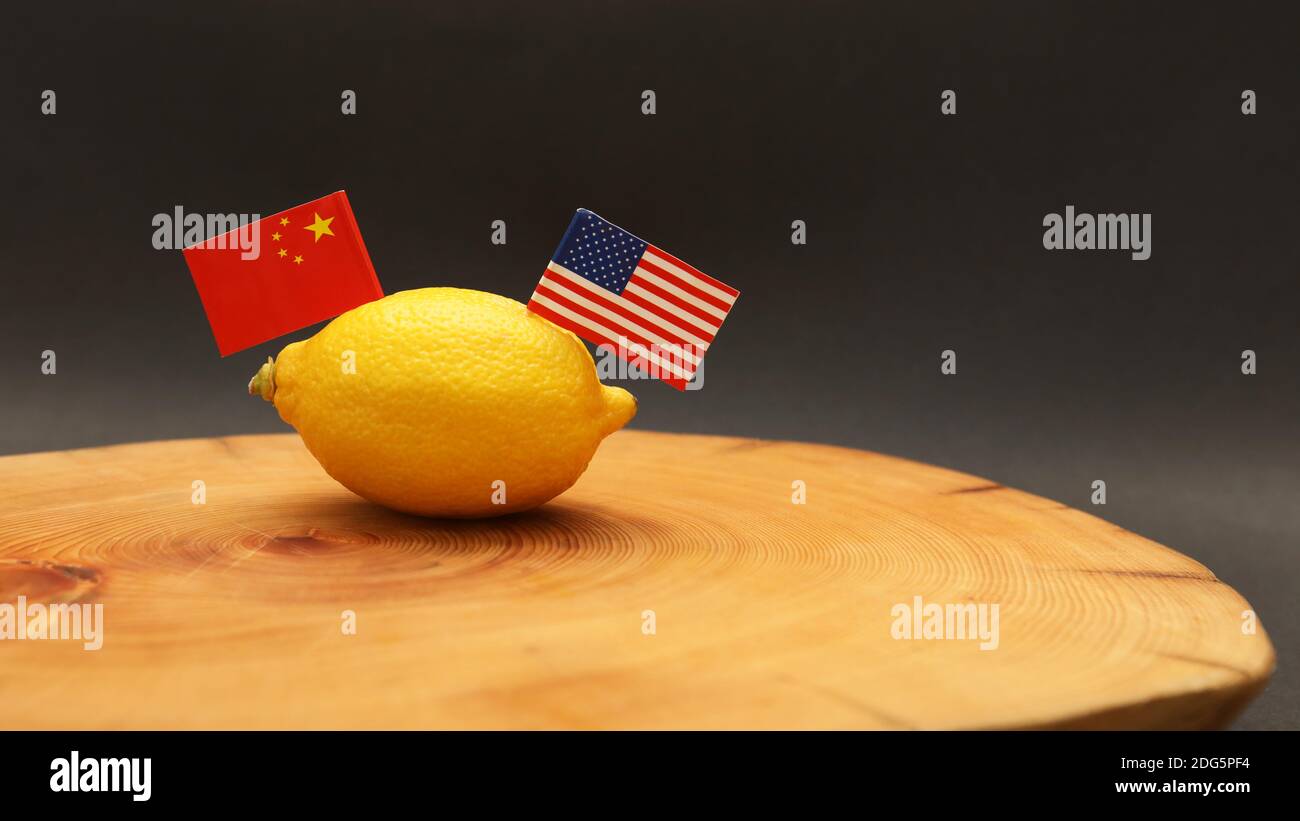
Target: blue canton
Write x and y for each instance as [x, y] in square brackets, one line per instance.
[599, 251]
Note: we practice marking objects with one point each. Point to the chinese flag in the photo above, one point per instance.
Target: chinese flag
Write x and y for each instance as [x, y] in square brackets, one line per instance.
[309, 265]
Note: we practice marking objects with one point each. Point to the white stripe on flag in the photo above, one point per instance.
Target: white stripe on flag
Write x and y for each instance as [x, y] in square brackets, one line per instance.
[707, 287]
[650, 277]
[653, 316]
[638, 333]
[669, 308]
[633, 346]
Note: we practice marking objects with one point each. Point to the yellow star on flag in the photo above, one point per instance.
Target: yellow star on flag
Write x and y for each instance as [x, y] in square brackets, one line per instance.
[284, 220]
[298, 259]
[276, 236]
[282, 253]
[320, 226]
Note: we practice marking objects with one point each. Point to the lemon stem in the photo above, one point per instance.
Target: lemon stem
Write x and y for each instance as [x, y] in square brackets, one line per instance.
[263, 382]
[620, 407]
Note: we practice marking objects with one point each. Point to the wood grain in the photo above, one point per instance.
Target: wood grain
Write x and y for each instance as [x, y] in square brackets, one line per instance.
[767, 613]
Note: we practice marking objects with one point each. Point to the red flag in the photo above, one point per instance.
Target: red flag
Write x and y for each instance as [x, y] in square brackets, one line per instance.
[310, 265]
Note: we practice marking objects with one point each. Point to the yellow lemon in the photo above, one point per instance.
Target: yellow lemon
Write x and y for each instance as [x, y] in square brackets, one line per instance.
[446, 402]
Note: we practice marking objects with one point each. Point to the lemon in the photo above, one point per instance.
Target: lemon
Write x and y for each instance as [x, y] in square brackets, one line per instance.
[446, 402]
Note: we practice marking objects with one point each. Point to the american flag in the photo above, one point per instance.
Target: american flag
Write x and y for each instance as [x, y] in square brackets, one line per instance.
[614, 289]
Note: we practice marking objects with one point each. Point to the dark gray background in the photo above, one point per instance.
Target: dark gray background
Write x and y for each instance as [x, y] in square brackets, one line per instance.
[924, 231]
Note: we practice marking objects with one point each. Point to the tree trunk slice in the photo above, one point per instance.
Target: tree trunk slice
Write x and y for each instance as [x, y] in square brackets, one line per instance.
[767, 613]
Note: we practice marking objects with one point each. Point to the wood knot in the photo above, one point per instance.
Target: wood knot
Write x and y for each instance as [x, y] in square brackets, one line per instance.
[311, 541]
[45, 581]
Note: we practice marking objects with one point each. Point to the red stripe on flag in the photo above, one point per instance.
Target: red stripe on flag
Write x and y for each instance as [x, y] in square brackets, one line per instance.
[562, 321]
[587, 333]
[664, 353]
[684, 307]
[673, 279]
[611, 305]
[687, 322]
[716, 283]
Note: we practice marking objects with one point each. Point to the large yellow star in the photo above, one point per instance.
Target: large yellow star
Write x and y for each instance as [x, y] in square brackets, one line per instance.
[320, 226]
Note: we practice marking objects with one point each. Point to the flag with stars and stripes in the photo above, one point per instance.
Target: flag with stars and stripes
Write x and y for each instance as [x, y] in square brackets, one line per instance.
[616, 290]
